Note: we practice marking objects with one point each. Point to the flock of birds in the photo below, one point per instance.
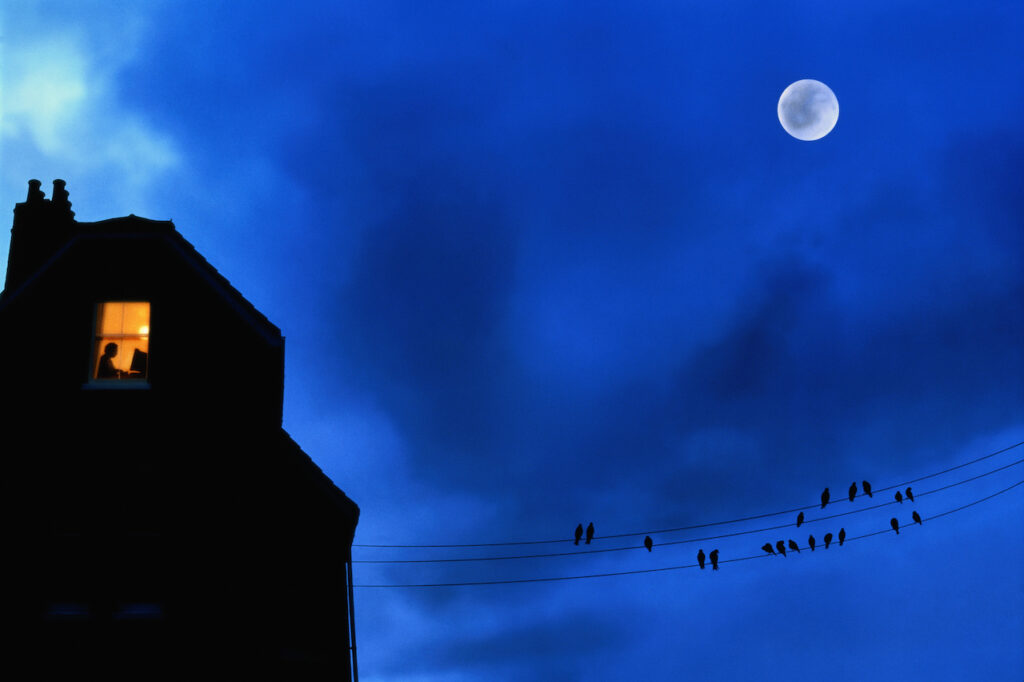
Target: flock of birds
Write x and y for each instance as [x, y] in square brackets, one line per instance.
[825, 497]
[648, 543]
[780, 546]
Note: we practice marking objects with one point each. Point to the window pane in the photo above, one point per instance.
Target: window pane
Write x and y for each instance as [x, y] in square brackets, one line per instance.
[128, 355]
[121, 349]
[110, 317]
[136, 318]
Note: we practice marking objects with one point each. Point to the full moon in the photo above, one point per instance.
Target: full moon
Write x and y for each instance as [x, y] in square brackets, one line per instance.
[808, 109]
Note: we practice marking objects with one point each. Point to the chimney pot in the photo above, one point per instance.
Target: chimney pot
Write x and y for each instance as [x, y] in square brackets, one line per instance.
[34, 193]
[60, 199]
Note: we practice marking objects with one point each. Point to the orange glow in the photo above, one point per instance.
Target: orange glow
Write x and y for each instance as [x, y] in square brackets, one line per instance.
[121, 349]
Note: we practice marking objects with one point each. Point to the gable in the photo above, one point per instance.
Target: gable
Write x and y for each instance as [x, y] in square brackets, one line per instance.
[134, 232]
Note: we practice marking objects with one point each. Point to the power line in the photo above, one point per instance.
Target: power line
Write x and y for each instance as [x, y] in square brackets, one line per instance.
[694, 527]
[677, 542]
[675, 568]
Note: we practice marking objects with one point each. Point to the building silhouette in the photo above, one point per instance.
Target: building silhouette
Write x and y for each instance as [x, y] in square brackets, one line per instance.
[158, 521]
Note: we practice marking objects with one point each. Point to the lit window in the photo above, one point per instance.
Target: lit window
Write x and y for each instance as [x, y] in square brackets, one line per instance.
[121, 350]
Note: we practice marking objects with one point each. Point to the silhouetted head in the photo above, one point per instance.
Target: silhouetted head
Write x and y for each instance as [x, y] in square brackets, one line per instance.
[110, 350]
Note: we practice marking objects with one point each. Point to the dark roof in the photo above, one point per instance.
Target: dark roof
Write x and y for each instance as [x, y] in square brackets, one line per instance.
[307, 469]
[137, 226]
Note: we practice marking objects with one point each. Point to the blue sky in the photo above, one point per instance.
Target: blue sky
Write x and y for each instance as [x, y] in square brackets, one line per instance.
[542, 263]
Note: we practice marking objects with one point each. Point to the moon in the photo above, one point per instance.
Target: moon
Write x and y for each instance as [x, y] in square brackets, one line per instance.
[808, 109]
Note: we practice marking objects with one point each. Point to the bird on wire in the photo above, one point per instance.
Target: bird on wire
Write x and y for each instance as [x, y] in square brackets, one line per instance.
[799, 519]
[590, 532]
[714, 559]
[795, 547]
[895, 525]
[842, 536]
[810, 541]
[853, 490]
[579, 533]
[899, 497]
[910, 495]
[781, 546]
[828, 540]
[648, 543]
[917, 518]
[867, 488]
[768, 548]
[824, 498]
[700, 557]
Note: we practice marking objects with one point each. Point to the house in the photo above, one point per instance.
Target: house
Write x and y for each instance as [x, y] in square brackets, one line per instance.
[158, 521]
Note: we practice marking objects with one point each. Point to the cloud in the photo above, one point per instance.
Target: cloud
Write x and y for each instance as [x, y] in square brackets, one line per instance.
[46, 90]
[63, 115]
[503, 650]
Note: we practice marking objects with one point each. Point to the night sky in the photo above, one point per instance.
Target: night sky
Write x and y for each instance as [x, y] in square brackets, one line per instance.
[548, 263]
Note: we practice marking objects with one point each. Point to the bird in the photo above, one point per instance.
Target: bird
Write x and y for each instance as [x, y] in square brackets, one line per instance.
[781, 546]
[590, 532]
[899, 497]
[648, 543]
[895, 525]
[579, 533]
[867, 488]
[910, 495]
[768, 548]
[810, 541]
[828, 540]
[795, 547]
[714, 559]
[842, 536]
[917, 518]
[853, 490]
[799, 519]
[824, 498]
[700, 557]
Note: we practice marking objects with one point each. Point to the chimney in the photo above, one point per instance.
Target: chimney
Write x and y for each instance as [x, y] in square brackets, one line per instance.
[60, 205]
[41, 227]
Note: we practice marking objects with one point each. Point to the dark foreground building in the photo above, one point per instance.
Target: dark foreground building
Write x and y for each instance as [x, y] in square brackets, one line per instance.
[158, 521]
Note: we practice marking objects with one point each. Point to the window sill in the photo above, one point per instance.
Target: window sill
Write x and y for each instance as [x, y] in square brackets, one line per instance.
[115, 384]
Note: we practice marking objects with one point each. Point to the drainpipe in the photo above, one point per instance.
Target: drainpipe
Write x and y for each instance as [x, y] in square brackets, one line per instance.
[351, 619]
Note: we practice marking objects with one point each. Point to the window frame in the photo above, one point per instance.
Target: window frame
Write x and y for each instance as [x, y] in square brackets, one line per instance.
[94, 382]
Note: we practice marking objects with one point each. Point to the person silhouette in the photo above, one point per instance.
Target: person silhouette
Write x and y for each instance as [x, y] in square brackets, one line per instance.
[106, 370]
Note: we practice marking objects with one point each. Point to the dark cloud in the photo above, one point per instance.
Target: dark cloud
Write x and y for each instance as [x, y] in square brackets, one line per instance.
[419, 322]
[514, 652]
